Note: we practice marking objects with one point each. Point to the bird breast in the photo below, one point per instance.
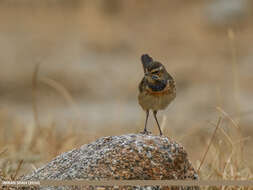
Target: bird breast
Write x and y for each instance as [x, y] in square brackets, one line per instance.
[156, 100]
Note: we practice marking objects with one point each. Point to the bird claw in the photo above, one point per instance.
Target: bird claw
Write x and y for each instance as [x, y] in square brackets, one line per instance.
[146, 133]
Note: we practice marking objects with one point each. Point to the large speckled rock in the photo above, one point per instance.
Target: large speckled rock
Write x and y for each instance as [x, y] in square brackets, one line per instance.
[132, 156]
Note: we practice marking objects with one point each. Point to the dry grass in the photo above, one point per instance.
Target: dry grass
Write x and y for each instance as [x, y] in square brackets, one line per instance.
[226, 162]
[25, 150]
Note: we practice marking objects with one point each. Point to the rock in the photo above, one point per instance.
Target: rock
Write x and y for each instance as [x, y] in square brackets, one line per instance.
[126, 157]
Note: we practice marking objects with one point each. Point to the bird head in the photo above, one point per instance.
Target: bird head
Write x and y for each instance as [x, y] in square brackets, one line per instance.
[153, 70]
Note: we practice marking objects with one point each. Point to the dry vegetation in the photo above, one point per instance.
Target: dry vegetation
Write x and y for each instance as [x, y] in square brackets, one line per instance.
[26, 149]
[212, 116]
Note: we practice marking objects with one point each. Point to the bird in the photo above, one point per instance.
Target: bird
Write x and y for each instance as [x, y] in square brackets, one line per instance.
[157, 89]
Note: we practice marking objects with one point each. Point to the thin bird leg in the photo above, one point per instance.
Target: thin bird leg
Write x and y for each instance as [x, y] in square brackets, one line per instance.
[145, 128]
[154, 113]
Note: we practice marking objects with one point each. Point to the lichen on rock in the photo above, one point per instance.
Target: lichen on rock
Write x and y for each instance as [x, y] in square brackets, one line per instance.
[126, 157]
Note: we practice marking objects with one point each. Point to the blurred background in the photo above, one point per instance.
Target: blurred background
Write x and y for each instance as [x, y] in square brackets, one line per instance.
[70, 72]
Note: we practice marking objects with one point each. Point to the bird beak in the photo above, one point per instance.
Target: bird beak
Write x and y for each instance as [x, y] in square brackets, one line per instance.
[148, 75]
[154, 77]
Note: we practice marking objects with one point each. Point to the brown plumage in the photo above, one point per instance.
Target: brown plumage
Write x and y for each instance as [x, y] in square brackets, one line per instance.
[157, 88]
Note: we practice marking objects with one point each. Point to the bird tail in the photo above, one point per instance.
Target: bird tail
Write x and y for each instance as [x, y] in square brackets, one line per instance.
[145, 59]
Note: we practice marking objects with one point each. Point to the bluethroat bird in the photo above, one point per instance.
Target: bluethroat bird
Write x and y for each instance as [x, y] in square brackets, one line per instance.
[156, 90]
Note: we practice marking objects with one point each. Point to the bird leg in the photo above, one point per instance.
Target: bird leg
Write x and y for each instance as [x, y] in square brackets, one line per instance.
[154, 113]
[146, 122]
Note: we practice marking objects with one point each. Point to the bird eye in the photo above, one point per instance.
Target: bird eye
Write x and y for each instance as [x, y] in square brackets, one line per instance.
[155, 72]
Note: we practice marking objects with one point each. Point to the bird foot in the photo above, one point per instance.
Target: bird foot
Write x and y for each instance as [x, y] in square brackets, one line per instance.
[146, 132]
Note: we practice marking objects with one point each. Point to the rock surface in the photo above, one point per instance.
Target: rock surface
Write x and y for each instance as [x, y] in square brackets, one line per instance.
[126, 157]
